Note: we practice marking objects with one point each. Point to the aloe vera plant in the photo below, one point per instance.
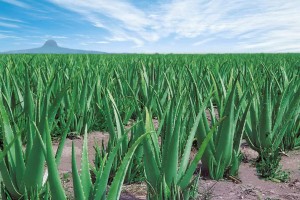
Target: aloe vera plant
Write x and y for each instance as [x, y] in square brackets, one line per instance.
[223, 151]
[83, 186]
[266, 129]
[113, 119]
[28, 178]
[57, 95]
[168, 172]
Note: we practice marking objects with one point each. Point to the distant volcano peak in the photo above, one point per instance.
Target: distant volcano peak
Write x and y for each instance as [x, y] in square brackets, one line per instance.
[50, 43]
[51, 47]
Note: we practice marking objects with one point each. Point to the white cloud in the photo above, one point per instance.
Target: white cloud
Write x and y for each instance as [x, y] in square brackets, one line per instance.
[122, 19]
[2, 31]
[203, 41]
[17, 3]
[47, 36]
[102, 42]
[122, 37]
[84, 43]
[4, 36]
[10, 19]
[55, 37]
[8, 25]
[10, 22]
[249, 24]
[97, 42]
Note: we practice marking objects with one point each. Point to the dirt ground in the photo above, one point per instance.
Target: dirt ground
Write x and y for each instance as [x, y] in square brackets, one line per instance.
[251, 187]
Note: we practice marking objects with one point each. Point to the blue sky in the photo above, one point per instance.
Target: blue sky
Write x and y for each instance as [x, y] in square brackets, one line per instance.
[178, 26]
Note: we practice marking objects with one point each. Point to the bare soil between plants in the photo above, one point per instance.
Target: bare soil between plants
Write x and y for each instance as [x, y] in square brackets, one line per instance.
[251, 186]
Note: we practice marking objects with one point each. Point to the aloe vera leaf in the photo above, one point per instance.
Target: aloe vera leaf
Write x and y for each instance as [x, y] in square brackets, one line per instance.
[265, 125]
[8, 136]
[78, 188]
[115, 189]
[226, 131]
[191, 136]
[56, 188]
[102, 178]
[6, 177]
[185, 179]
[152, 163]
[85, 168]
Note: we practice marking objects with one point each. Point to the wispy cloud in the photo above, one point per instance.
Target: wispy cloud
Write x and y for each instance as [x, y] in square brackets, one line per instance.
[8, 25]
[96, 42]
[10, 19]
[10, 22]
[122, 36]
[122, 19]
[47, 36]
[251, 24]
[193, 25]
[55, 36]
[17, 3]
[102, 42]
[4, 36]
[2, 31]
[203, 41]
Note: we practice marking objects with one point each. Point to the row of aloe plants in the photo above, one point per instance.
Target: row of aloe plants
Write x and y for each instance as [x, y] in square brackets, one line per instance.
[19, 181]
[73, 94]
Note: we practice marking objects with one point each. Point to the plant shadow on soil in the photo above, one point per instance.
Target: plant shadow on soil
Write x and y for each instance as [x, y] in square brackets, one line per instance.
[251, 186]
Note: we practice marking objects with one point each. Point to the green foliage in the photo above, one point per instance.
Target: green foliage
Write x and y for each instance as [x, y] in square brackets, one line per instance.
[217, 99]
[268, 167]
[83, 187]
[271, 123]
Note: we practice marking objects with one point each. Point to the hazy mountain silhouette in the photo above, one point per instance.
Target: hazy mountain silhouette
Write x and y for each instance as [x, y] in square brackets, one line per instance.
[51, 47]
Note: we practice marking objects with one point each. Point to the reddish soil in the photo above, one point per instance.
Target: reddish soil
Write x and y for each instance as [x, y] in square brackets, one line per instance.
[251, 187]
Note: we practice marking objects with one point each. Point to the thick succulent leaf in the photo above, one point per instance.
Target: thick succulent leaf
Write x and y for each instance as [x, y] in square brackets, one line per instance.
[8, 137]
[188, 174]
[152, 163]
[85, 168]
[8, 180]
[102, 178]
[116, 186]
[226, 131]
[78, 188]
[189, 143]
[34, 172]
[56, 188]
[265, 125]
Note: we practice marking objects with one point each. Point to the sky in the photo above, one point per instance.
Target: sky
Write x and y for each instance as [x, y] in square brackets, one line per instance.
[144, 26]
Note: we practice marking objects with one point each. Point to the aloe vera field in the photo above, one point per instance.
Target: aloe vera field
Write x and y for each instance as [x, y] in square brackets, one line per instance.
[138, 126]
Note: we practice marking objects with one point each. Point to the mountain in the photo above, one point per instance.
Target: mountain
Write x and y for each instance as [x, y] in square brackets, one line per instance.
[51, 47]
